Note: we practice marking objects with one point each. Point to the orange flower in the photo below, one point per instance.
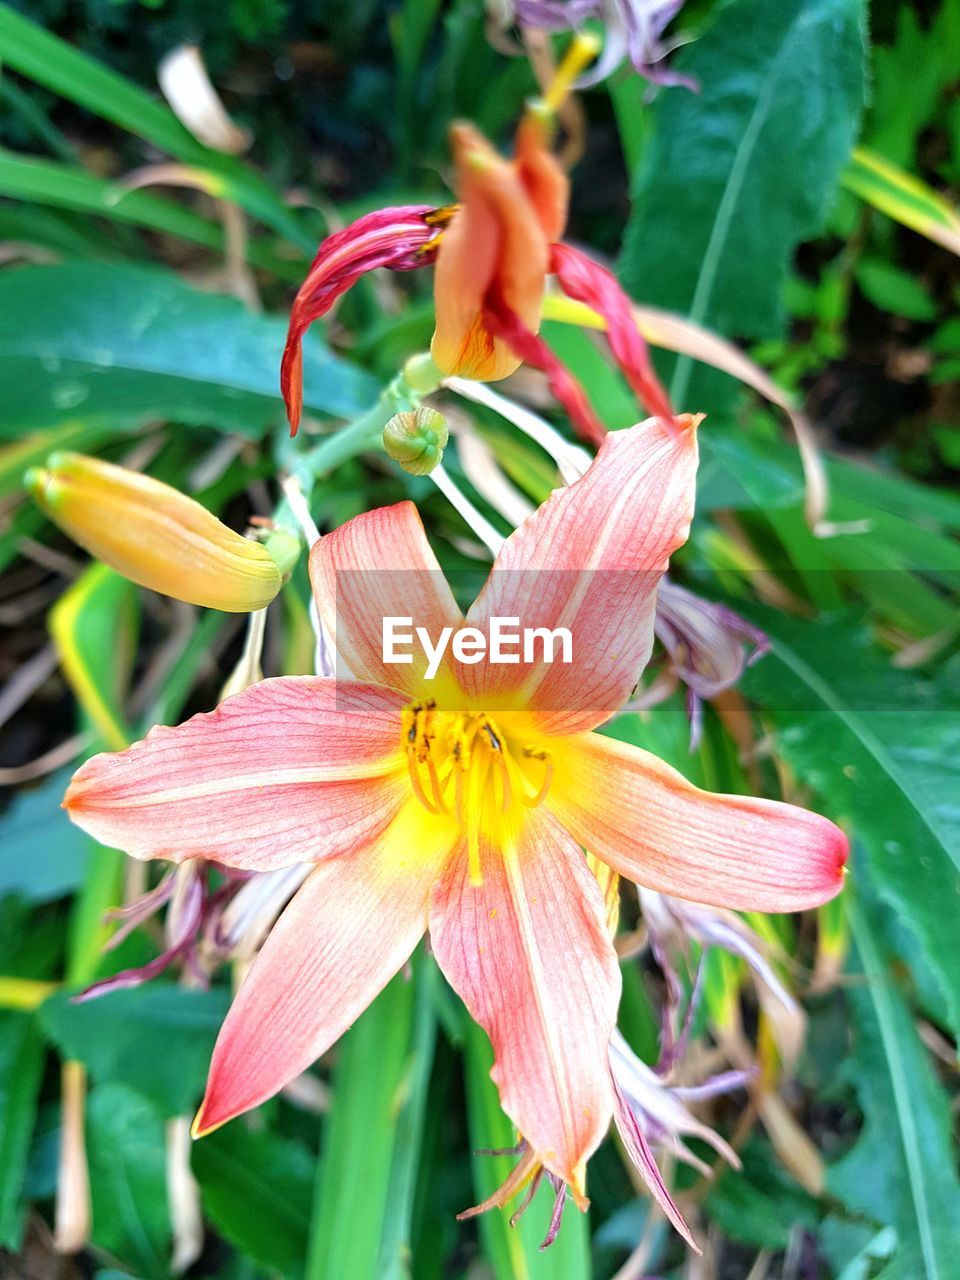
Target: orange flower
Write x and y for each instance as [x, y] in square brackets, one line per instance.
[495, 255]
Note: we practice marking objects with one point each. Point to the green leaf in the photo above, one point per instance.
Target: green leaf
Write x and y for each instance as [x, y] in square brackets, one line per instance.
[129, 344]
[94, 627]
[736, 176]
[43, 856]
[156, 1038]
[903, 197]
[759, 1204]
[395, 1243]
[883, 748]
[894, 290]
[924, 54]
[126, 1150]
[353, 1181]
[901, 1172]
[42, 56]
[21, 1071]
[256, 1190]
[43, 182]
[739, 471]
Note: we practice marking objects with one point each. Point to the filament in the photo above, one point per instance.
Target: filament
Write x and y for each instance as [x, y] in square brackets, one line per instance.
[583, 49]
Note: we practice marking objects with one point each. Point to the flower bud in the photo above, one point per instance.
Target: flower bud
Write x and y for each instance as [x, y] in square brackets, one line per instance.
[416, 440]
[153, 534]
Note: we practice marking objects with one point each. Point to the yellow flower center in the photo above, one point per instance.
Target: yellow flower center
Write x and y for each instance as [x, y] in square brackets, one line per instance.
[482, 773]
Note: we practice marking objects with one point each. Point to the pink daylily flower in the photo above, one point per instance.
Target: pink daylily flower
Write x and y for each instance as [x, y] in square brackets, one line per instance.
[462, 804]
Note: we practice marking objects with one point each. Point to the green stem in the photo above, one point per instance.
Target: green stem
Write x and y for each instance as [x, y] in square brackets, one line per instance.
[393, 1263]
[354, 1178]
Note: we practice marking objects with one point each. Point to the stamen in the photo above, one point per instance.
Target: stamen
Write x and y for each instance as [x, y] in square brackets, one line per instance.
[583, 49]
[437, 787]
[413, 768]
[470, 749]
[506, 789]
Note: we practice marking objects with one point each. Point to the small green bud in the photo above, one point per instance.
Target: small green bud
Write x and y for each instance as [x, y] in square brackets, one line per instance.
[416, 439]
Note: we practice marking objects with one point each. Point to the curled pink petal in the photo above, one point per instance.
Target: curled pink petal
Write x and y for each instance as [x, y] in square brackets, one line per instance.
[585, 280]
[398, 238]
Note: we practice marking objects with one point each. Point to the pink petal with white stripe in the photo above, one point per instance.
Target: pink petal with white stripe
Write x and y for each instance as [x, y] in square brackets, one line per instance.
[590, 559]
[529, 953]
[650, 824]
[380, 565]
[347, 931]
[290, 770]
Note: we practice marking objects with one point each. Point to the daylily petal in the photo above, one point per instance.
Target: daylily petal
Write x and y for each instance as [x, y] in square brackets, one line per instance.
[529, 347]
[344, 935]
[529, 953]
[495, 242]
[399, 238]
[290, 770]
[590, 560]
[380, 565]
[651, 825]
[544, 180]
[585, 280]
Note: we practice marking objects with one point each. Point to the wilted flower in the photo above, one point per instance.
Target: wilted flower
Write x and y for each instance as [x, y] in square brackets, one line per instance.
[634, 29]
[206, 923]
[672, 923]
[493, 252]
[153, 534]
[648, 1112]
[708, 646]
[401, 239]
[462, 803]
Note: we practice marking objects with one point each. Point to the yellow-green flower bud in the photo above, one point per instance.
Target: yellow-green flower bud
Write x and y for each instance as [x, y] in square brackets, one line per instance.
[416, 439]
[153, 534]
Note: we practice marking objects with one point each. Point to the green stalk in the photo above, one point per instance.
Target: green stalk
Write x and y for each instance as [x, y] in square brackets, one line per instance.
[393, 1263]
[372, 1136]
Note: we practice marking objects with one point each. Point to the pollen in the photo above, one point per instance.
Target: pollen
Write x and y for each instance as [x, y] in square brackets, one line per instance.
[479, 772]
